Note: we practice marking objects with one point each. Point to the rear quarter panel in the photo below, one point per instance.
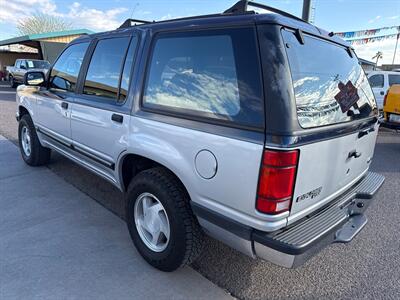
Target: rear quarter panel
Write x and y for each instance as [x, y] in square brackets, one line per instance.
[231, 192]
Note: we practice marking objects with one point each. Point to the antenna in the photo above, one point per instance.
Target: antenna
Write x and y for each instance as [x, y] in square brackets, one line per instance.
[134, 8]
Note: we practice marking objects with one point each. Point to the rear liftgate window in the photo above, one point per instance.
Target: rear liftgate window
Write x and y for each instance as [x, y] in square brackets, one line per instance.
[329, 85]
[210, 74]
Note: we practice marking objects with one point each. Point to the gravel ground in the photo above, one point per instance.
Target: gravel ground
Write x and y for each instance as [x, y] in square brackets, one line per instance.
[367, 268]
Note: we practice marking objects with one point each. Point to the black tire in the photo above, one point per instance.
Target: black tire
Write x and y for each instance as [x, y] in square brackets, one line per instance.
[186, 237]
[13, 84]
[38, 155]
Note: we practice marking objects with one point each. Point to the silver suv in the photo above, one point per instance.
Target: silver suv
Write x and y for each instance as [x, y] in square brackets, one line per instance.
[256, 129]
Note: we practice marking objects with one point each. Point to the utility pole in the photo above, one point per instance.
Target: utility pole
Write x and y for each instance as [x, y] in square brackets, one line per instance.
[306, 10]
[312, 13]
[395, 48]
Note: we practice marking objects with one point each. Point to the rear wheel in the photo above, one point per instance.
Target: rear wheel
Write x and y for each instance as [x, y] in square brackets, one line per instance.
[33, 153]
[160, 220]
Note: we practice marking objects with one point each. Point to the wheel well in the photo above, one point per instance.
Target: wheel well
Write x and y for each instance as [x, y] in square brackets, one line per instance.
[23, 111]
[133, 164]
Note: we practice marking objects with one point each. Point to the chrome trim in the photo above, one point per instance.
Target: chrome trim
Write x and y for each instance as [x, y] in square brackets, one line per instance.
[54, 135]
[93, 154]
[84, 150]
[82, 162]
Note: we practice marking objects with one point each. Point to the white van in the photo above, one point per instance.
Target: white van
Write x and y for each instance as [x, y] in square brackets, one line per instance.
[380, 82]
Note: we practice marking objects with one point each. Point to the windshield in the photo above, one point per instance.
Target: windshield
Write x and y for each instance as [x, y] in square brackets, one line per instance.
[329, 84]
[37, 64]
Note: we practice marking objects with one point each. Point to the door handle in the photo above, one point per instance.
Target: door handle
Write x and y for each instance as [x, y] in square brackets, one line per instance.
[354, 154]
[382, 93]
[64, 105]
[365, 132]
[117, 118]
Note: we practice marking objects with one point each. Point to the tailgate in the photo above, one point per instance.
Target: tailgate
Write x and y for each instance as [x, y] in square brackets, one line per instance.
[327, 168]
[336, 112]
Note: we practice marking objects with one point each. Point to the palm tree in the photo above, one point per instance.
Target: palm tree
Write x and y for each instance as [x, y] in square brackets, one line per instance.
[378, 55]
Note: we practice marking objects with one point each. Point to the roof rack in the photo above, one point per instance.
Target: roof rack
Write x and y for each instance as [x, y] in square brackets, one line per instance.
[241, 7]
[132, 22]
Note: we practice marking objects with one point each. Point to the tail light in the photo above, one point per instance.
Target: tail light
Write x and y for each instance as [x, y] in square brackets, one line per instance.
[276, 182]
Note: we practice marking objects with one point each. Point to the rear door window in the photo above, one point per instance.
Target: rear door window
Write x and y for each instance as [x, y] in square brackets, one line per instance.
[330, 86]
[103, 75]
[209, 74]
[376, 81]
[394, 79]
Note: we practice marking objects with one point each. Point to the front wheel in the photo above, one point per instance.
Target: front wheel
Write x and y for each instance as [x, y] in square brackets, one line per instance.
[33, 153]
[13, 84]
[160, 220]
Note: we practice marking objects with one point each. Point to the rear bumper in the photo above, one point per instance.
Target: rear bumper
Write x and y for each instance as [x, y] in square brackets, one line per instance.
[290, 247]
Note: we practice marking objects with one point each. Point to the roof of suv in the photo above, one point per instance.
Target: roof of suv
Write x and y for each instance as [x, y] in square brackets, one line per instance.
[248, 17]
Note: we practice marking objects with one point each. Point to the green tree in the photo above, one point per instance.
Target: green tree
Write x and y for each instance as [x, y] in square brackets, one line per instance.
[40, 22]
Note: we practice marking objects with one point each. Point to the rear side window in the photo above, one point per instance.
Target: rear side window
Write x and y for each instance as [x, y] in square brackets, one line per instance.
[330, 86]
[126, 72]
[376, 81]
[210, 74]
[102, 78]
[394, 79]
[64, 73]
[38, 64]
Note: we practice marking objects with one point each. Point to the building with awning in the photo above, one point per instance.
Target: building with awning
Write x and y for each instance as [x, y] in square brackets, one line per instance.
[45, 46]
[367, 65]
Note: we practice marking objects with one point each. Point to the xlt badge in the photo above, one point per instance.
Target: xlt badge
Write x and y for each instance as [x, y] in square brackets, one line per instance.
[309, 195]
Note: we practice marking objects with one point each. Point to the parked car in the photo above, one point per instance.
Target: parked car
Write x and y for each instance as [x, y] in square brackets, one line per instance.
[380, 82]
[17, 72]
[233, 124]
[391, 107]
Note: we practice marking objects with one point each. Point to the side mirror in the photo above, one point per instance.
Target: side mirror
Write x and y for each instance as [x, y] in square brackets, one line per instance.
[34, 78]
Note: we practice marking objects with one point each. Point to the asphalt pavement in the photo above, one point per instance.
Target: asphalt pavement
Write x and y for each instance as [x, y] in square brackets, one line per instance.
[367, 268]
[57, 243]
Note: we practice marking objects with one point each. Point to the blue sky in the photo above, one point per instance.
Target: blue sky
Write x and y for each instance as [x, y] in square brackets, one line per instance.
[100, 15]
